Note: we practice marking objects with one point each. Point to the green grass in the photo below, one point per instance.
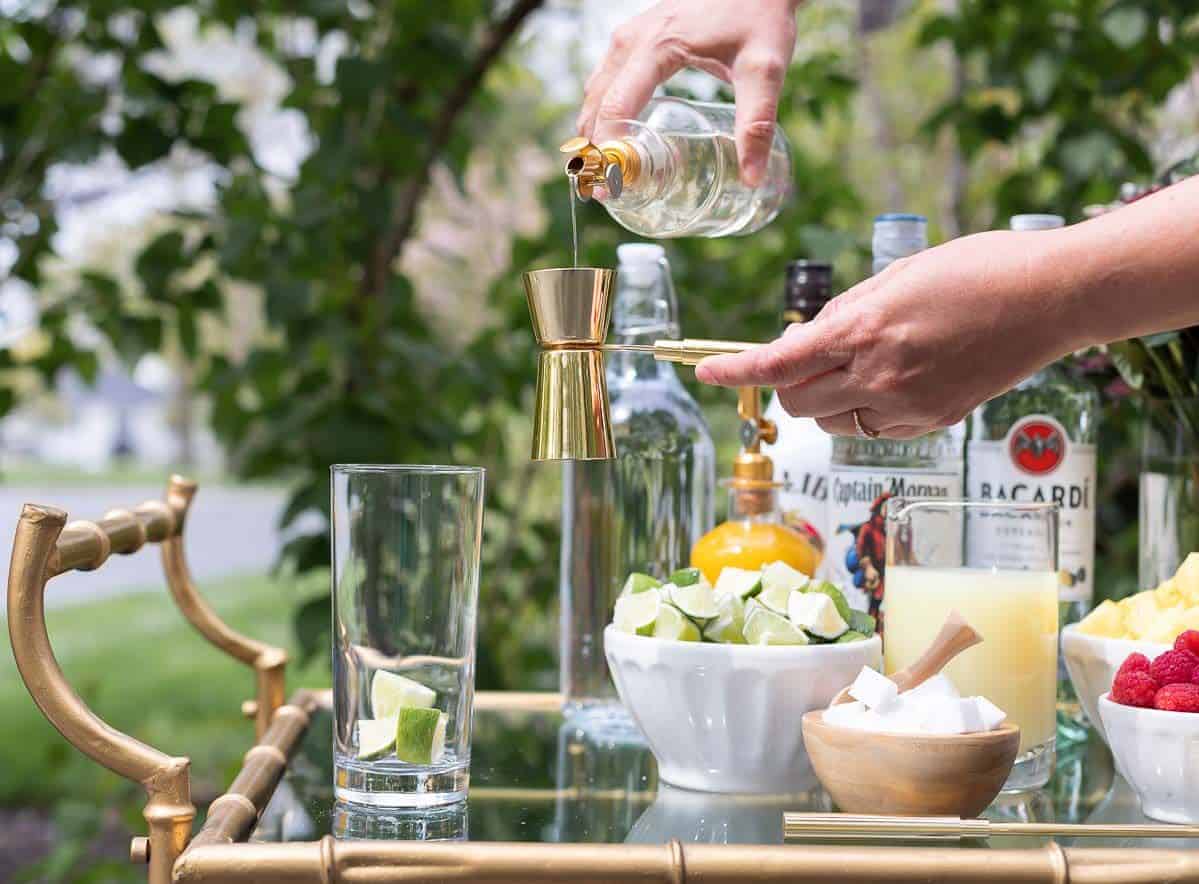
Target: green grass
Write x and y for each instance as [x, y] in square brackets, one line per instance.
[146, 672]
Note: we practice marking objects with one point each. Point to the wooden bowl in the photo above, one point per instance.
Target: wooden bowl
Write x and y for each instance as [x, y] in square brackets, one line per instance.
[910, 774]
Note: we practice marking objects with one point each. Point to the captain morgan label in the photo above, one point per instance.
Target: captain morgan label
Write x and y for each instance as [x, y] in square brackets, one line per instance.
[1037, 463]
[856, 554]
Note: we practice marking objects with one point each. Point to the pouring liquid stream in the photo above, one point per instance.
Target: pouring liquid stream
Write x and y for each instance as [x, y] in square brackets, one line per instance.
[573, 183]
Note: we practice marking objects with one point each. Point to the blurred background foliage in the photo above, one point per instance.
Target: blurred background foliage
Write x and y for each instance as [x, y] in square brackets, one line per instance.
[359, 300]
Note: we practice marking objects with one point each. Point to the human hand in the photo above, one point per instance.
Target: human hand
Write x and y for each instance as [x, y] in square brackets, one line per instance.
[747, 43]
[918, 346]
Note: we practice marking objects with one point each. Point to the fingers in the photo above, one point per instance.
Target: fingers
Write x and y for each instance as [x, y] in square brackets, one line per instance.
[630, 87]
[804, 352]
[843, 425]
[757, 81]
[596, 88]
[821, 396]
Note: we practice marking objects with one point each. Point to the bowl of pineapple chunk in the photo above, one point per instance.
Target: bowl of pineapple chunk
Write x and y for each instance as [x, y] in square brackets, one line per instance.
[1147, 621]
[718, 678]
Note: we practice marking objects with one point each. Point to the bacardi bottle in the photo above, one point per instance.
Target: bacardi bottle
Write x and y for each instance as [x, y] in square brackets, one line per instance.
[1037, 443]
[865, 473]
[802, 450]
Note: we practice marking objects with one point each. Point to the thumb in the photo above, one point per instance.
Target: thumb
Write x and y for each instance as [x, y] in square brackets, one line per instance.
[757, 82]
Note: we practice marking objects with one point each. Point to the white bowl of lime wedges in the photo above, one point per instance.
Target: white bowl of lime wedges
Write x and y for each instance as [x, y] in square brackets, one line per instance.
[724, 714]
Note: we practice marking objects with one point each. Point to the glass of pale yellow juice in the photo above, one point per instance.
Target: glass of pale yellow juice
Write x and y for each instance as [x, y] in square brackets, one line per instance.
[996, 564]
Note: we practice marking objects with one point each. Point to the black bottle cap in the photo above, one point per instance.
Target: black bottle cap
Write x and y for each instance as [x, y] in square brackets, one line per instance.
[808, 288]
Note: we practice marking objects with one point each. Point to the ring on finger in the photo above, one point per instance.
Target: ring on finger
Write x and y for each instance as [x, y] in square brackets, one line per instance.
[863, 431]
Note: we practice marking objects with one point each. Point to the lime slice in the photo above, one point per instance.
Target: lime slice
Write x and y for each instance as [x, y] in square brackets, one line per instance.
[636, 613]
[391, 692]
[686, 576]
[728, 624]
[817, 614]
[781, 576]
[852, 636]
[740, 582]
[420, 735]
[671, 624]
[862, 623]
[838, 597]
[376, 736]
[639, 582]
[764, 627]
[697, 601]
[774, 598]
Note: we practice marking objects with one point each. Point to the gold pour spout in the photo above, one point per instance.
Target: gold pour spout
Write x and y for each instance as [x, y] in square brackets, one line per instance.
[610, 165]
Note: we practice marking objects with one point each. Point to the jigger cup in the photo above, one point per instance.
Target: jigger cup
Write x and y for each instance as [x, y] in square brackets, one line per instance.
[570, 309]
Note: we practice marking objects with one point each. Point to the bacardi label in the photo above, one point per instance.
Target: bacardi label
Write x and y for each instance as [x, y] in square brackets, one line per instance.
[1037, 463]
[856, 557]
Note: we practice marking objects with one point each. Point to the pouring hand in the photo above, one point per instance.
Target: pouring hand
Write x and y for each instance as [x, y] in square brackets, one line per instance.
[747, 43]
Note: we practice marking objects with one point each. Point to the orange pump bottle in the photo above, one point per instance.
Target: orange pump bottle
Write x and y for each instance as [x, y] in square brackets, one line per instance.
[754, 534]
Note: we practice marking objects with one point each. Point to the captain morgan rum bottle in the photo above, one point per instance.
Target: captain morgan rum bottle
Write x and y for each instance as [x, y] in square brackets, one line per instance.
[802, 450]
[1036, 443]
[865, 473]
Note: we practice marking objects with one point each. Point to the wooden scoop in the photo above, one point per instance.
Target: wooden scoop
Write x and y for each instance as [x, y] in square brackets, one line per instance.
[955, 636]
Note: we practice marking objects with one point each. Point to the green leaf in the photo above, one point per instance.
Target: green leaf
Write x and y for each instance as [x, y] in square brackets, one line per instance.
[312, 624]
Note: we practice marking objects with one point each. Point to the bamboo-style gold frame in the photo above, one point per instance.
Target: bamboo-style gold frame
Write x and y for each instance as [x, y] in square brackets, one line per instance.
[46, 546]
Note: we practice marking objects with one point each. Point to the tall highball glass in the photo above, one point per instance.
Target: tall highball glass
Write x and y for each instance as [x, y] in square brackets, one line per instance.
[405, 594]
[997, 565]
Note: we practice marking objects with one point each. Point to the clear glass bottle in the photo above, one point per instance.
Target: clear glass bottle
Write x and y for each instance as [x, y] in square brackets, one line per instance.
[1037, 443]
[643, 510]
[802, 450]
[674, 172]
[865, 473]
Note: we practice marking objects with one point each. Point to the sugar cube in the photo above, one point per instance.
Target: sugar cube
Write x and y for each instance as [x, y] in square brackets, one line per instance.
[937, 686]
[992, 716]
[946, 715]
[846, 714]
[873, 688]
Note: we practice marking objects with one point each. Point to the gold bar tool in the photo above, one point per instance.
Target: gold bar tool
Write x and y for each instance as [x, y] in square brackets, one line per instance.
[852, 826]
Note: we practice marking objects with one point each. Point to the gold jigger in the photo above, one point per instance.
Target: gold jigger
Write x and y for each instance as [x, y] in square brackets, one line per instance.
[571, 308]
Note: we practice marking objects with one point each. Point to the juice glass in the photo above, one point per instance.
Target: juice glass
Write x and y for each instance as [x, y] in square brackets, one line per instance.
[406, 545]
[944, 555]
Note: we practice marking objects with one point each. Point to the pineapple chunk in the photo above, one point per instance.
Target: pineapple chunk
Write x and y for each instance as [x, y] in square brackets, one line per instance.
[1169, 594]
[1187, 578]
[1106, 621]
[1140, 614]
[1166, 626]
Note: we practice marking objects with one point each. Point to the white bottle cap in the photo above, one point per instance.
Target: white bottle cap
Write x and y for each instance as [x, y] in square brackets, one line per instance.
[1037, 222]
[640, 263]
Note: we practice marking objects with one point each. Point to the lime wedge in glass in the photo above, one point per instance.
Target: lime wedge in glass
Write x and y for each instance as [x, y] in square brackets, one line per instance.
[838, 597]
[639, 582]
[861, 622]
[687, 576]
[636, 613]
[697, 601]
[376, 736]
[781, 576]
[774, 598]
[391, 692]
[741, 582]
[420, 735]
[672, 624]
[816, 613]
[764, 627]
[727, 625]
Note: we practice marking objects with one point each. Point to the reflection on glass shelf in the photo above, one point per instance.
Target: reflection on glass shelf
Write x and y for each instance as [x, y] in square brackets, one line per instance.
[711, 818]
[443, 823]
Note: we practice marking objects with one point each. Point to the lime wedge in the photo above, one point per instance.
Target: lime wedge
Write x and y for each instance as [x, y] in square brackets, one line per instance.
[639, 582]
[764, 627]
[728, 624]
[420, 735]
[671, 624]
[391, 692]
[838, 597]
[851, 636]
[862, 623]
[781, 576]
[740, 582]
[686, 576]
[816, 613]
[774, 598]
[376, 736]
[697, 601]
[636, 613]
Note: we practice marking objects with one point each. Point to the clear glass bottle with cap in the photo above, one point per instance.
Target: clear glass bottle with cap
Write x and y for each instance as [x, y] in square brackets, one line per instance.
[865, 473]
[674, 172]
[643, 510]
[802, 450]
[1037, 442]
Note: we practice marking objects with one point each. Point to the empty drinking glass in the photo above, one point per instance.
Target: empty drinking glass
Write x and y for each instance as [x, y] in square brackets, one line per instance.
[405, 594]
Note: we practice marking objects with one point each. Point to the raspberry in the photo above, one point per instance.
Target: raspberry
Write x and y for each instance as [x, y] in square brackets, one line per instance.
[1177, 698]
[1134, 689]
[1174, 667]
[1188, 641]
[1135, 662]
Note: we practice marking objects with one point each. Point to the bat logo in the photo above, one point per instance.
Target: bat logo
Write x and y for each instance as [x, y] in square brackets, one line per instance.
[1037, 446]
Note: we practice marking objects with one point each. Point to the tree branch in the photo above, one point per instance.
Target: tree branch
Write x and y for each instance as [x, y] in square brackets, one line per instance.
[403, 216]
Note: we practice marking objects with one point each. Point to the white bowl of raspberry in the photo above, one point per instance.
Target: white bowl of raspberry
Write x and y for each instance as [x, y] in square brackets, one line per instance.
[1092, 662]
[1151, 716]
